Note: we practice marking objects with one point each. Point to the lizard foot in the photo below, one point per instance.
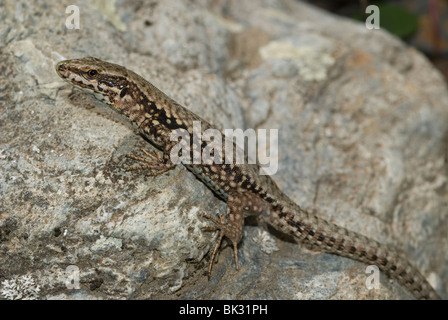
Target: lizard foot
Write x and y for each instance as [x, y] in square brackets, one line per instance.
[225, 230]
[153, 162]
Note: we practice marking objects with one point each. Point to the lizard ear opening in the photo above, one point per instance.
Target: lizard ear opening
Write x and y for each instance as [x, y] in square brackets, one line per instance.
[124, 92]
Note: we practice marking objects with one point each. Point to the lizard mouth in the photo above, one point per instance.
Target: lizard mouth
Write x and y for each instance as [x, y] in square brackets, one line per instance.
[74, 75]
[70, 73]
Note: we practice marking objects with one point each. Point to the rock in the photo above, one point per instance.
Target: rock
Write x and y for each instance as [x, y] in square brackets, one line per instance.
[361, 120]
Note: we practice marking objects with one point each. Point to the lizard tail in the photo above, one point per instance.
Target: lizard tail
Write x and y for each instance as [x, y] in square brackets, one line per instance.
[338, 240]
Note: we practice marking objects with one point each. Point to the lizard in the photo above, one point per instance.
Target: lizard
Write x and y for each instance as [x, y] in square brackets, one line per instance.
[155, 115]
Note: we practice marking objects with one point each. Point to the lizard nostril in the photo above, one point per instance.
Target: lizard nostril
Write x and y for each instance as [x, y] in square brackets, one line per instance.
[60, 70]
[60, 66]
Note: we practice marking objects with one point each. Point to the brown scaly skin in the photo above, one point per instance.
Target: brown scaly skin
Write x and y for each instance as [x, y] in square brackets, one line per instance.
[155, 115]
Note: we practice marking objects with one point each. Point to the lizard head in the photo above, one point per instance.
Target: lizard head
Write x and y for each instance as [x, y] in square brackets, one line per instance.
[108, 82]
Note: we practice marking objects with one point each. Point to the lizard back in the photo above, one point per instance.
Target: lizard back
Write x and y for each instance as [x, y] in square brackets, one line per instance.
[156, 116]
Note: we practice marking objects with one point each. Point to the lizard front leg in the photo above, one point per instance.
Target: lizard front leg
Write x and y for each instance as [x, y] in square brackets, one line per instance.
[154, 162]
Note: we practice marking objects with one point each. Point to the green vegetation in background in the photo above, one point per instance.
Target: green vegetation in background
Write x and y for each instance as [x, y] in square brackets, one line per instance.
[394, 19]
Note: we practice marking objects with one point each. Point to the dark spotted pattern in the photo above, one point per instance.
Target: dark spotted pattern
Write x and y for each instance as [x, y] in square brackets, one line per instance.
[241, 186]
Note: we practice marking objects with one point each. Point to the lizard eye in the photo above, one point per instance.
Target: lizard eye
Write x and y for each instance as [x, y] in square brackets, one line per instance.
[92, 73]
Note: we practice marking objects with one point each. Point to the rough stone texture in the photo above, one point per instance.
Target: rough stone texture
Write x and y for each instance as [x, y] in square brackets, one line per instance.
[362, 141]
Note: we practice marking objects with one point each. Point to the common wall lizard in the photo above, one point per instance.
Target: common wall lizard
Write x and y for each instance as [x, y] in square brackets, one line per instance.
[245, 191]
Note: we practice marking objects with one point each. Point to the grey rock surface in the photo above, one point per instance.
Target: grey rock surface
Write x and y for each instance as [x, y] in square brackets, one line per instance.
[362, 122]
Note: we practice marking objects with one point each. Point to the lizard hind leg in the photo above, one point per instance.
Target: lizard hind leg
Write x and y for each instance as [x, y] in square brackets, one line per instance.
[232, 229]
